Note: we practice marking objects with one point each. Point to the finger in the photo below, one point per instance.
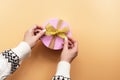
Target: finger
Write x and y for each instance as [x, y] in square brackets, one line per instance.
[40, 34]
[70, 47]
[33, 28]
[65, 44]
[75, 48]
[36, 31]
[40, 27]
[69, 42]
[71, 39]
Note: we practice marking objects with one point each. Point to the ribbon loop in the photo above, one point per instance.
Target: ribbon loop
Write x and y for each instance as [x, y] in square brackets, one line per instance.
[50, 30]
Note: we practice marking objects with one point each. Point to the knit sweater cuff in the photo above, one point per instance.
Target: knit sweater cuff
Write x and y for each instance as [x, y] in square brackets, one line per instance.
[63, 69]
[22, 50]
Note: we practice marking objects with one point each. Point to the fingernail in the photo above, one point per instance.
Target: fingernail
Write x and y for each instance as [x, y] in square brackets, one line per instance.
[44, 30]
[66, 38]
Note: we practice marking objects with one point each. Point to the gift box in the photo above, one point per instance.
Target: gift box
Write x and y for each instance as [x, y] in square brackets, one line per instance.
[56, 31]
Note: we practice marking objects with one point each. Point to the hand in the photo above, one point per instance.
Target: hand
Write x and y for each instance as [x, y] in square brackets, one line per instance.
[33, 34]
[70, 50]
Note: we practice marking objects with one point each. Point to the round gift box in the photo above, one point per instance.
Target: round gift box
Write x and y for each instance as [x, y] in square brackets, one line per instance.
[58, 42]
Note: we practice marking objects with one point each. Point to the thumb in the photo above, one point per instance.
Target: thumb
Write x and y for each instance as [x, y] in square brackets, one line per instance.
[65, 44]
[40, 34]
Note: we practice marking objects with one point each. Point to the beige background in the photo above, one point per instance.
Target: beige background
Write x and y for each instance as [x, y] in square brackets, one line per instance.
[94, 23]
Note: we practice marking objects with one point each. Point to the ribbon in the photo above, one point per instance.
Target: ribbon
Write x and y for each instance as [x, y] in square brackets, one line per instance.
[50, 30]
[56, 32]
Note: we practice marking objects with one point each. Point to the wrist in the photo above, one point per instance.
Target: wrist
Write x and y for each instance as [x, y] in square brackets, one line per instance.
[68, 61]
[28, 43]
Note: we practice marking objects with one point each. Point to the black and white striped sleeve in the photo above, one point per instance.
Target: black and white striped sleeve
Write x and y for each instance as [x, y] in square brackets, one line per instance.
[10, 59]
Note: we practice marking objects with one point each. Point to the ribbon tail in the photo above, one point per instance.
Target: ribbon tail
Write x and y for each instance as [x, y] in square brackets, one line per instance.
[62, 35]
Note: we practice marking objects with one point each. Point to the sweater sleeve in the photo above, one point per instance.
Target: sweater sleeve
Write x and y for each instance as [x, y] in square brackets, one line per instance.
[63, 71]
[10, 59]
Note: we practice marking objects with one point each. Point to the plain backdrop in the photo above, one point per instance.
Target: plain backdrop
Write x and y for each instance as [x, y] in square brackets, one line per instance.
[95, 24]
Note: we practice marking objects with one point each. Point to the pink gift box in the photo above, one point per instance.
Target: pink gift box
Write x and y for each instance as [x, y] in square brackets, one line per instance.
[58, 42]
